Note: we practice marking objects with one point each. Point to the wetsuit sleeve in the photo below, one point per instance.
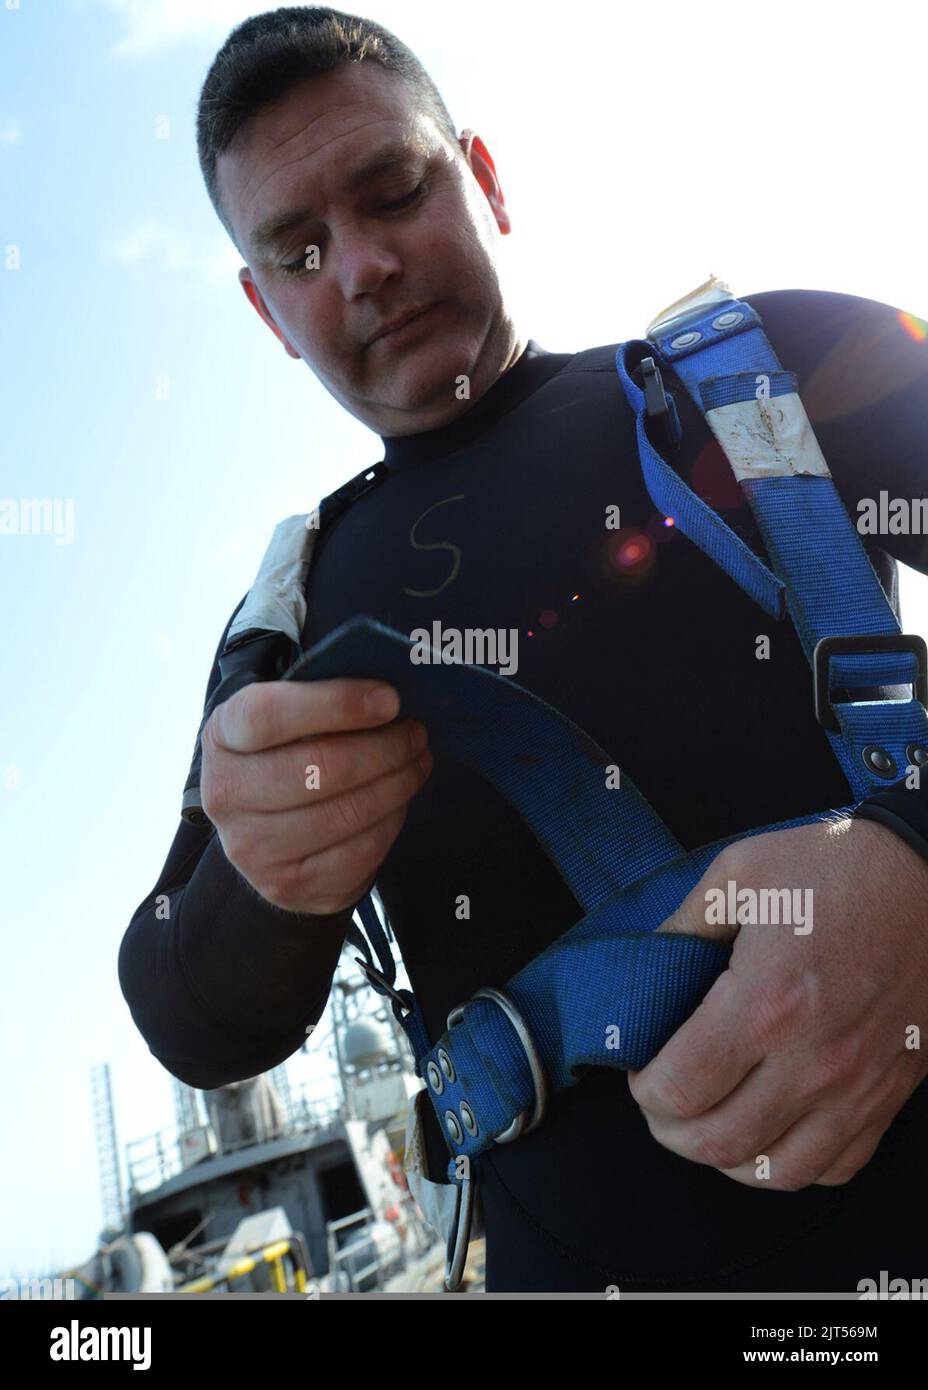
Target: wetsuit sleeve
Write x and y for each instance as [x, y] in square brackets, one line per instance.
[221, 984]
[863, 377]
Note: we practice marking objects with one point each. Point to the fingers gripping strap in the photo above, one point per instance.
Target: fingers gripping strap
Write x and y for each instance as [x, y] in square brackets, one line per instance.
[604, 1001]
[600, 838]
[610, 992]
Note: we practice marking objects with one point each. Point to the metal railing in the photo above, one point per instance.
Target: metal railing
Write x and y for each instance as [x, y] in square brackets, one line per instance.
[283, 1263]
[346, 1272]
[153, 1159]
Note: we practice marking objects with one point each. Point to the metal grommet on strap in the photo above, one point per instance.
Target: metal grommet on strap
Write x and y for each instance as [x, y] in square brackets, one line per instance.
[727, 320]
[916, 754]
[468, 1118]
[522, 1124]
[877, 760]
[446, 1064]
[686, 339]
[435, 1078]
[453, 1127]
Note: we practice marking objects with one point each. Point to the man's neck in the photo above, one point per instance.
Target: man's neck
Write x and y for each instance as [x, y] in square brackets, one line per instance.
[478, 385]
[525, 372]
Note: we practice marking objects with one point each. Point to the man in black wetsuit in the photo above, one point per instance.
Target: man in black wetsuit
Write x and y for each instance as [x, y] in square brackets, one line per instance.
[492, 516]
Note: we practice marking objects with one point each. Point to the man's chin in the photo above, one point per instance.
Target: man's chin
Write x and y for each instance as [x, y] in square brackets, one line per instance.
[428, 379]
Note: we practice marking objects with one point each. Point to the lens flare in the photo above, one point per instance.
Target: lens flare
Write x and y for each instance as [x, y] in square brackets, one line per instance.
[660, 529]
[631, 553]
[916, 328]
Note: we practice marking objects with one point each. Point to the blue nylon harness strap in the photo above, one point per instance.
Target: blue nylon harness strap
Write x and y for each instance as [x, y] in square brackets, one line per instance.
[691, 515]
[832, 589]
[611, 849]
[610, 992]
[377, 937]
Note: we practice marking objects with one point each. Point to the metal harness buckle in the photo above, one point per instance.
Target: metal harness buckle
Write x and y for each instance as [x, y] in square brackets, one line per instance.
[378, 982]
[886, 642]
[459, 1236]
[659, 404]
[539, 1081]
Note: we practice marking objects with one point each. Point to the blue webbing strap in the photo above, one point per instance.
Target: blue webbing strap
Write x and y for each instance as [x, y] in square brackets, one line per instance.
[377, 938]
[600, 838]
[690, 513]
[832, 589]
[611, 849]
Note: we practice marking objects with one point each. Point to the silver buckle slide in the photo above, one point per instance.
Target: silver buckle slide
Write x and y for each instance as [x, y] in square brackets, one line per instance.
[459, 1235]
[539, 1082]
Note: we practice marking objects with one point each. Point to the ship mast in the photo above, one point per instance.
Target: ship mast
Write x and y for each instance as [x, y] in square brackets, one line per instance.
[107, 1152]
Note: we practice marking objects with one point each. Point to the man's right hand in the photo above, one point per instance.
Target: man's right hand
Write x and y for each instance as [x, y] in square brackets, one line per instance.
[312, 848]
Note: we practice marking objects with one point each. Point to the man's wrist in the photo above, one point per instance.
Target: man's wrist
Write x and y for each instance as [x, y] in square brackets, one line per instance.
[908, 820]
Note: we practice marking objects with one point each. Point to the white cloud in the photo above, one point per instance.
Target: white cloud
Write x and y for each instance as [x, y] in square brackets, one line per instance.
[148, 243]
[153, 24]
[10, 133]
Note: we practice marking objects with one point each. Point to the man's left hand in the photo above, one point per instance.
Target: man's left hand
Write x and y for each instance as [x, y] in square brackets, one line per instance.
[806, 1047]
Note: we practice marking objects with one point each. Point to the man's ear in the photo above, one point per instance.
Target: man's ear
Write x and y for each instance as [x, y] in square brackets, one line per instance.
[484, 171]
[256, 299]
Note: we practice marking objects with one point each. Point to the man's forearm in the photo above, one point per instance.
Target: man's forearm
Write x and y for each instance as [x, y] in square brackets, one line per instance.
[221, 984]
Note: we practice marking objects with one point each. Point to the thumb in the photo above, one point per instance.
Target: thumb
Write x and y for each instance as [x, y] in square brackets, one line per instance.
[695, 916]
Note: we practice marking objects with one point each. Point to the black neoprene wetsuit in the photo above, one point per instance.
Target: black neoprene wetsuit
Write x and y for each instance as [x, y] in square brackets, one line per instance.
[497, 521]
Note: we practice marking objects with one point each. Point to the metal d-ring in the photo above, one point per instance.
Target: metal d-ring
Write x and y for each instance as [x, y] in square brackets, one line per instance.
[539, 1081]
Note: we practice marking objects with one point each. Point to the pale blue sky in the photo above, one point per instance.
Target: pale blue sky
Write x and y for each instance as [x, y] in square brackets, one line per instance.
[125, 277]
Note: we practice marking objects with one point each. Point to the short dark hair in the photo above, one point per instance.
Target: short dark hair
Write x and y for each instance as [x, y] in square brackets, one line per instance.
[270, 53]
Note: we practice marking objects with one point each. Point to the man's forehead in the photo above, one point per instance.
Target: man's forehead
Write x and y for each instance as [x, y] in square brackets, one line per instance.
[393, 152]
[335, 124]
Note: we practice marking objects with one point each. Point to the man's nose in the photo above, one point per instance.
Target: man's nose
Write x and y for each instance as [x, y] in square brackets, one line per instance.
[364, 264]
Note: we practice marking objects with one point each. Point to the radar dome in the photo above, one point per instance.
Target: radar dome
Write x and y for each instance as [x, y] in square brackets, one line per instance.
[365, 1044]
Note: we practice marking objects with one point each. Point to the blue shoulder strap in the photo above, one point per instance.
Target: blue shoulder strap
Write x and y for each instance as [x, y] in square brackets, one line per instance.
[846, 626]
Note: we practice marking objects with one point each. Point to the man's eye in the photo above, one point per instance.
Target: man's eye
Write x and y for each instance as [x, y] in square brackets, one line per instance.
[298, 267]
[405, 201]
[293, 267]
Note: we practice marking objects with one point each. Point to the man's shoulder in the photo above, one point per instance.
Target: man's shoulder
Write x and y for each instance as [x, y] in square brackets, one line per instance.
[851, 336]
[821, 319]
[812, 299]
[594, 359]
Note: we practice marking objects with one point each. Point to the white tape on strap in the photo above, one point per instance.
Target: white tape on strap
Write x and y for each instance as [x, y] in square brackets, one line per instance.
[769, 437]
